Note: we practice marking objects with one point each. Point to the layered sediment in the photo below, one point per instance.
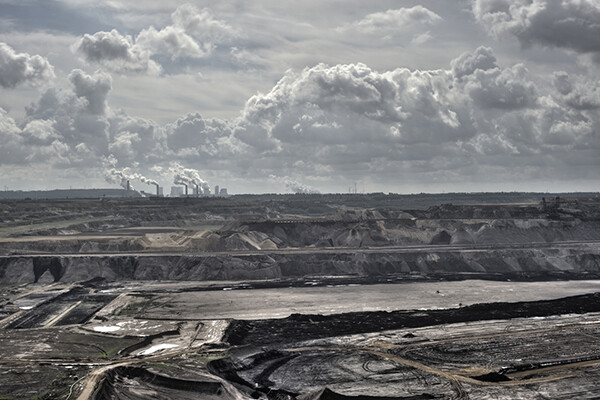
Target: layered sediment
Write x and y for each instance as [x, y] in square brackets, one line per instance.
[565, 260]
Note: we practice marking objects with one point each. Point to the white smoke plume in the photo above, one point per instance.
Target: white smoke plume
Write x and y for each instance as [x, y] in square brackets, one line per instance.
[147, 181]
[121, 176]
[189, 177]
[294, 186]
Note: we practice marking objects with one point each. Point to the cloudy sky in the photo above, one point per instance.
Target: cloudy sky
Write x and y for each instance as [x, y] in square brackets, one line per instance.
[276, 95]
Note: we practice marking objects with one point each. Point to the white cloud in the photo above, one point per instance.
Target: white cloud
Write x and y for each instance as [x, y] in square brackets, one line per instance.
[19, 68]
[115, 52]
[474, 120]
[395, 24]
[192, 34]
[206, 140]
[75, 127]
[92, 88]
[396, 20]
[349, 120]
[482, 58]
[508, 88]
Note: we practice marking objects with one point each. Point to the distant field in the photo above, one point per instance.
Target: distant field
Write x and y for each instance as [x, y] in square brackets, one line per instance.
[33, 226]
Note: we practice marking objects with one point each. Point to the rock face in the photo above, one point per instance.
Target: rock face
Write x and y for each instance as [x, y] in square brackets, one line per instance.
[498, 240]
[508, 262]
[52, 264]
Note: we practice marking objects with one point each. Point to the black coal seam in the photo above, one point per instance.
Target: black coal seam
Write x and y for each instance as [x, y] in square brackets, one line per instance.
[63, 297]
[263, 378]
[225, 369]
[305, 327]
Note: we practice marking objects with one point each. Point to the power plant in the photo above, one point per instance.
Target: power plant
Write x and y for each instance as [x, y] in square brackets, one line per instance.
[185, 177]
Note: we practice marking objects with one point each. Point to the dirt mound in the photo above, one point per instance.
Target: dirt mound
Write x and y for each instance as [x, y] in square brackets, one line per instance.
[140, 383]
[365, 229]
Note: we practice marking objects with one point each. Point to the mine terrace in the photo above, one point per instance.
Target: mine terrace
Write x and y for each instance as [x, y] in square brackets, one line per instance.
[375, 296]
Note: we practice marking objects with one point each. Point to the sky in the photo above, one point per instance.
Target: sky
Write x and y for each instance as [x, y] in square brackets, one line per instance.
[284, 96]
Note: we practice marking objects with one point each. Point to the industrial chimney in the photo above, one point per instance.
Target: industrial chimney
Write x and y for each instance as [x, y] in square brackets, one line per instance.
[128, 186]
[186, 190]
[197, 190]
[157, 190]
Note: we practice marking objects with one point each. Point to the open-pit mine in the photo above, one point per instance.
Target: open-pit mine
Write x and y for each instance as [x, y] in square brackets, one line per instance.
[483, 296]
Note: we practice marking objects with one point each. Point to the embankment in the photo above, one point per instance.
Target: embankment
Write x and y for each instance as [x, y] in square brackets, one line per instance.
[571, 261]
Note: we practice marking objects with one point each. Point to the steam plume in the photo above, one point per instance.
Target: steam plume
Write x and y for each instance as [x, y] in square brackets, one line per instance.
[188, 177]
[294, 186]
[121, 176]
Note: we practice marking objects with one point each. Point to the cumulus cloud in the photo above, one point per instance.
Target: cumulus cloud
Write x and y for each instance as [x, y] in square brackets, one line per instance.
[578, 93]
[475, 120]
[395, 22]
[349, 120]
[508, 88]
[115, 52]
[19, 68]
[206, 138]
[76, 128]
[193, 33]
[482, 58]
[348, 106]
[92, 88]
[568, 24]
[399, 19]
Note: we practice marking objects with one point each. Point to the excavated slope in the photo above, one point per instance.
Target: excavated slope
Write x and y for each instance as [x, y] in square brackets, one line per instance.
[266, 235]
[574, 261]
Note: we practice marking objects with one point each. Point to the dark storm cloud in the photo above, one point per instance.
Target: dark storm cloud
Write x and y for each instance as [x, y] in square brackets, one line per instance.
[569, 24]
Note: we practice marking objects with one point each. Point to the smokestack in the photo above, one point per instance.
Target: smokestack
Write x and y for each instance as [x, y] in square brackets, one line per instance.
[157, 190]
[186, 189]
[128, 186]
[197, 190]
